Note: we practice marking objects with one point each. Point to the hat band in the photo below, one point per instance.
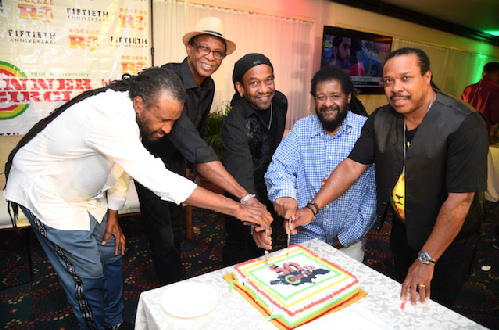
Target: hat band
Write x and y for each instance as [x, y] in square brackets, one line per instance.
[213, 32]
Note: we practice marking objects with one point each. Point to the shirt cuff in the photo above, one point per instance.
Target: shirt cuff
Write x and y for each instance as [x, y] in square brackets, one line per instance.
[285, 192]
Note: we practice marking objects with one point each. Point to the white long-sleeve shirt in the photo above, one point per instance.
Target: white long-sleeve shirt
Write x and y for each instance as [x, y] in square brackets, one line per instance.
[78, 164]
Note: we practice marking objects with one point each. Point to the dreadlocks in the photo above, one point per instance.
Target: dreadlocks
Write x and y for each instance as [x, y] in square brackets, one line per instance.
[147, 84]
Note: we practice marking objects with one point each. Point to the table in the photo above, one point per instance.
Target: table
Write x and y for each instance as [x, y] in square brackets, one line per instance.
[492, 193]
[380, 309]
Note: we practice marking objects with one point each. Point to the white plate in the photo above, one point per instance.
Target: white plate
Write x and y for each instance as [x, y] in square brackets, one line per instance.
[189, 299]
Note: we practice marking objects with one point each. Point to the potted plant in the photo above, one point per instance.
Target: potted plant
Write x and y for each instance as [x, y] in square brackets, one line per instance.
[213, 137]
[213, 128]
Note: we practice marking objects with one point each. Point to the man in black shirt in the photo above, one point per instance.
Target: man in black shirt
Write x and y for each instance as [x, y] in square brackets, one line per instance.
[206, 48]
[250, 135]
[430, 154]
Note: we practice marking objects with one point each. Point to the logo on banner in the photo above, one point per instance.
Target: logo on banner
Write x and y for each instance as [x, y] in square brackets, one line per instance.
[83, 38]
[133, 18]
[118, 41]
[133, 64]
[88, 15]
[17, 91]
[39, 12]
[10, 111]
[32, 37]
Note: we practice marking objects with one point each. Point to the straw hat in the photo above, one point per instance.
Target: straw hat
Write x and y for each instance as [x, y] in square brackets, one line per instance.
[213, 26]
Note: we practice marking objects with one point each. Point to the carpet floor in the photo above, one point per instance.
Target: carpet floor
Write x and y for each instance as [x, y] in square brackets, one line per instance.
[42, 304]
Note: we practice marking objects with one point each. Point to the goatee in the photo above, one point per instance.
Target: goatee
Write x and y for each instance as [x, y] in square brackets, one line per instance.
[330, 125]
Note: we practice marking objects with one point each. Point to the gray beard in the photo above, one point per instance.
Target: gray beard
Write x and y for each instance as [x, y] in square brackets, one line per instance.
[331, 125]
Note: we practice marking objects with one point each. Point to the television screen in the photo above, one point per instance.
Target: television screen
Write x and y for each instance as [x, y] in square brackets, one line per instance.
[358, 53]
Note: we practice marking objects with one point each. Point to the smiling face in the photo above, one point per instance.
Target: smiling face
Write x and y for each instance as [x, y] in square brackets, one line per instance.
[156, 120]
[258, 87]
[331, 104]
[203, 66]
[406, 89]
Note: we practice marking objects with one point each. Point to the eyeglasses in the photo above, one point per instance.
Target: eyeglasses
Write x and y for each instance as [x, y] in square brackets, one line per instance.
[203, 50]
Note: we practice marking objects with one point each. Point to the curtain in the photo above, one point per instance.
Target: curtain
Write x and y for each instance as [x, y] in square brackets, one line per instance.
[287, 42]
[452, 70]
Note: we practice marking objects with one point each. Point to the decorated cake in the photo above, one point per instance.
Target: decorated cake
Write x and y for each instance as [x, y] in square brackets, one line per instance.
[296, 288]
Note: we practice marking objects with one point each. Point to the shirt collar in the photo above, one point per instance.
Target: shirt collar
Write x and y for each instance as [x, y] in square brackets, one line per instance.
[345, 128]
[248, 110]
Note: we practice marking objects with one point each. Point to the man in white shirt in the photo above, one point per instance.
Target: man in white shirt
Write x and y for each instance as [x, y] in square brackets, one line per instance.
[71, 179]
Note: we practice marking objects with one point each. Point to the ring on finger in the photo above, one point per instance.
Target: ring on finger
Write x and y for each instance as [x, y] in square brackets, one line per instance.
[421, 285]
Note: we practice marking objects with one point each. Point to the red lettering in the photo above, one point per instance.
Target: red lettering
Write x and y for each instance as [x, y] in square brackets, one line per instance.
[25, 96]
[126, 21]
[3, 97]
[76, 41]
[66, 96]
[14, 84]
[45, 14]
[92, 42]
[45, 84]
[68, 84]
[83, 42]
[128, 67]
[27, 11]
[140, 66]
[82, 84]
[55, 96]
[140, 22]
[34, 97]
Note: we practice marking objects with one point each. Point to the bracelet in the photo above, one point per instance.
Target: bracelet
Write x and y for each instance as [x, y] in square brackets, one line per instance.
[246, 198]
[314, 205]
[311, 209]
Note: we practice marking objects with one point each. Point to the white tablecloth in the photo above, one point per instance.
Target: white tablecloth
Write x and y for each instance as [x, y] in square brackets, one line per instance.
[492, 193]
[380, 309]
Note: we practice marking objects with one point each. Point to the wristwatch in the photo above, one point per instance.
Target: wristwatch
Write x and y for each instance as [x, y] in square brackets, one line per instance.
[425, 258]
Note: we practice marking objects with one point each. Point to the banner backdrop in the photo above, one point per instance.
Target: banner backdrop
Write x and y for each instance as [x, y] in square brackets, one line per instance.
[52, 50]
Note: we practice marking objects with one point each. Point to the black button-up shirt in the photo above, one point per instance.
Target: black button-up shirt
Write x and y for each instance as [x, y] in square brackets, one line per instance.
[185, 141]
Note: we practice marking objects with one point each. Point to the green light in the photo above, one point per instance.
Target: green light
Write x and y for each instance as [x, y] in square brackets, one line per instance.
[493, 32]
[480, 62]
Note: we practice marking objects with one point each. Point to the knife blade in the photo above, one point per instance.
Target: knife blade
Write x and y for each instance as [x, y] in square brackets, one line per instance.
[266, 251]
[289, 237]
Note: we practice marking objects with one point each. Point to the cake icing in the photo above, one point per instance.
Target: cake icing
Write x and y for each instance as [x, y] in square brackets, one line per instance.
[297, 288]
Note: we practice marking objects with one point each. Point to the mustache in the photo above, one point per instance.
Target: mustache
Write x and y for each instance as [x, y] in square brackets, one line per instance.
[332, 107]
[399, 95]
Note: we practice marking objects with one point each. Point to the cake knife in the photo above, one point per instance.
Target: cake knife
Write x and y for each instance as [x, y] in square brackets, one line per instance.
[266, 251]
[289, 236]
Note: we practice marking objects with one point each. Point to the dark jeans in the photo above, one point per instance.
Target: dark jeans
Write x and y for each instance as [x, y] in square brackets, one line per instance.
[163, 227]
[451, 270]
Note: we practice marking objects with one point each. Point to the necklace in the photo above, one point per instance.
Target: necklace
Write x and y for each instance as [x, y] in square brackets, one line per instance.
[270, 120]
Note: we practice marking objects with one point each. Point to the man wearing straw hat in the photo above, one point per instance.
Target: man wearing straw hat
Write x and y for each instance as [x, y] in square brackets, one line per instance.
[206, 47]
